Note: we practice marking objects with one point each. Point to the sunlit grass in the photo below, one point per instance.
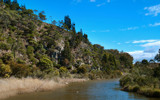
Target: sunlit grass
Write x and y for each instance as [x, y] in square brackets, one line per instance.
[12, 86]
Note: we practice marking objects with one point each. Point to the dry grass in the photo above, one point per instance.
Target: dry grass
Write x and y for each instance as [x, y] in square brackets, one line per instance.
[13, 86]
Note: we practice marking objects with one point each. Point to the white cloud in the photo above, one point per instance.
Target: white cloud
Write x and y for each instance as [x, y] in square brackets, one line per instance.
[156, 43]
[118, 43]
[150, 46]
[140, 55]
[102, 4]
[144, 41]
[92, 0]
[154, 25]
[130, 28]
[148, 43]
[153, 10]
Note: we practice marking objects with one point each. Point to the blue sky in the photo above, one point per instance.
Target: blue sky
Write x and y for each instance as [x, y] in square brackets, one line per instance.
[129, 25]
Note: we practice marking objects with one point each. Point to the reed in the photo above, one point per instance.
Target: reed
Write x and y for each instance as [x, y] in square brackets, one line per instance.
[13, 86]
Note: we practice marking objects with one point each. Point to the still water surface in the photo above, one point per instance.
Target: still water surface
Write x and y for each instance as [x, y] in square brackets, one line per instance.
[91, 90]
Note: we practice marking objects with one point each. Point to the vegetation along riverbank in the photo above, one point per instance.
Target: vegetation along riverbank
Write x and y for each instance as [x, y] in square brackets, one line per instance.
[144, 78]
[13, 86]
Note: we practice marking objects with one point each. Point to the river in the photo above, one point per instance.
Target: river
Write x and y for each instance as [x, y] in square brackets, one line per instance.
[91, 90]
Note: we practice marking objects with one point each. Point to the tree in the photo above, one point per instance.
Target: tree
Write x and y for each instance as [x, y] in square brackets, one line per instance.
[45, 64]
[66, 54]
[157, 72]
[1, 2]
[54, 22]
[60, 23]
[137, 63]
[67, 22]
[8, 2]
[15, 5]
[152, 61]
[145, 62]
[42, 16]
[104, 59]
[157, 57]
[73, 28]
[126, 60]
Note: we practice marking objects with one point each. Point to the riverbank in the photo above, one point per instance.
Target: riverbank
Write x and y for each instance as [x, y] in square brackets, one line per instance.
[13, 86]
[148, 92]
[143, 80]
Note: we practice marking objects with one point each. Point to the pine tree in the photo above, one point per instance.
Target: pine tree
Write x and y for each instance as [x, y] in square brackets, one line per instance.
[67, 22]
[15, 5]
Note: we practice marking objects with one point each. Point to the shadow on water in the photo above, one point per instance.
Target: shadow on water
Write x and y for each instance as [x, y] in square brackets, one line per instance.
[91, 90]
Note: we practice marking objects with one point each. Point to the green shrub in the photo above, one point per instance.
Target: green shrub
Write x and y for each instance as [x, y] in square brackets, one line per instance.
[45, 64]
[20, 70]
[64, 72]
[6, 57]
[5, 70]
[4, 46]
[82, 69]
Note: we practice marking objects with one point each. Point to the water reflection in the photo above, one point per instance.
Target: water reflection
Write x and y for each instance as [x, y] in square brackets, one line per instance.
[92, 90]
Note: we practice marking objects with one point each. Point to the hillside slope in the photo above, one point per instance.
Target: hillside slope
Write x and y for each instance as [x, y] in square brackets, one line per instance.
[30, 47]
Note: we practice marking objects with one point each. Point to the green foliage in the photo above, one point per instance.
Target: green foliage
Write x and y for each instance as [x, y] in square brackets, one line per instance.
[67, 22]
[4, 46]
[157, 72]
[145, 62]
[42, 16]
[66, 55]
[45, 64]
[5, 70]
[143, 79]
[19, 70]
[63, 72]
[6, 57]
[82, 69]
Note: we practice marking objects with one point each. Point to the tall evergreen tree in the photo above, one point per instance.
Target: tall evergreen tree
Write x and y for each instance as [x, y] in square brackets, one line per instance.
[67, 22]
[157, 57]
[15, 5]
[1, 2]
[66, 54]
[8, 2]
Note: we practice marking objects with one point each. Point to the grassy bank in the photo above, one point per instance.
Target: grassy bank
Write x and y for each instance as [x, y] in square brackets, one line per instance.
[13, 86]
[143, 80]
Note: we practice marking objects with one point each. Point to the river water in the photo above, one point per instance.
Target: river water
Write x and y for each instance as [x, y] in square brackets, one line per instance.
[91, 90]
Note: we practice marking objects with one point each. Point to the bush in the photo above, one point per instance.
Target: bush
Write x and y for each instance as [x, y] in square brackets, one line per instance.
[45, 64]
[4, 46]
[63, 72]
[5, 70]
[6, 57]
[20, 70]
[82, 70]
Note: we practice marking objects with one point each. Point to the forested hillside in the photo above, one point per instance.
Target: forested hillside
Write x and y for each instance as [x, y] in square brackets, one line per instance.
[31, 47]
